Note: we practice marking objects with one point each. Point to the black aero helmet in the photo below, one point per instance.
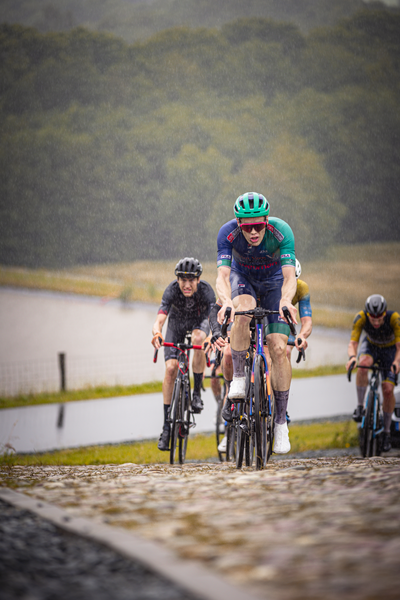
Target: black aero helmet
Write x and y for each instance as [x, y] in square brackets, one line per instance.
[375, 305]
[188, 266]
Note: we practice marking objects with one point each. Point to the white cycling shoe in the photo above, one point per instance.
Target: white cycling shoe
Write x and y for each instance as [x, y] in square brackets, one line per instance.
[237, 389]
[281, 439]
[222, 445]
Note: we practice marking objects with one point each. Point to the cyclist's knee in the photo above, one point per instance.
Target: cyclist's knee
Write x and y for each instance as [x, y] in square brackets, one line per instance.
[198, 337]
[387, 390]
[171, 369]
[277, 347]
[365, 360]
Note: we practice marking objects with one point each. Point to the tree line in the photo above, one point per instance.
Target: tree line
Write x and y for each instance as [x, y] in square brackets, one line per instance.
[116, 152]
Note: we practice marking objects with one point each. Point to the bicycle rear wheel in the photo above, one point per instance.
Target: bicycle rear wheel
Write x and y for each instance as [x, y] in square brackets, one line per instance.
[176, 419]
[260, 413]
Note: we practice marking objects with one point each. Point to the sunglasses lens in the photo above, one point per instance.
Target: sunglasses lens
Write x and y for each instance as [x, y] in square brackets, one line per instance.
[250, 226]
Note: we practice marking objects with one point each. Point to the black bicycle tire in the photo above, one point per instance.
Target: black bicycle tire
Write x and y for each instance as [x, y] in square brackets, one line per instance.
[240, 439]
[377, 439]
[218, 433]
[230, 442]
[368, 426]
[175, 417]
[184, 429]
[259, 413]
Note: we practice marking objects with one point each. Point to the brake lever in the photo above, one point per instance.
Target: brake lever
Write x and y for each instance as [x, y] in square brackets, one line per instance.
[289, 319]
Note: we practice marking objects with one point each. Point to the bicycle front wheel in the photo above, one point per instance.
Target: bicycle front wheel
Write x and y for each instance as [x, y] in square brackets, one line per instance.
[231, 442]
[270, 425]
[367, 430]
[260, 413]
[183, 431]
[176, 420]
[220, 427]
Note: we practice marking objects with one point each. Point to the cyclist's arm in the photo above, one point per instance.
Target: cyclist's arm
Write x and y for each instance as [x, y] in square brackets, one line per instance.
[305, 313]
[396, 360]
[304, 333]
[218, 342]
[157, 328]
[358, 325]
[224, 292]
[352, 353]
[289, 288]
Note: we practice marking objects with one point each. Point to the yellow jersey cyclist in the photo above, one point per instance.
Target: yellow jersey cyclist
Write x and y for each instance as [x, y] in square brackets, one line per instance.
[256, 258]
[302, 299]
[187, 303]
[381, 343]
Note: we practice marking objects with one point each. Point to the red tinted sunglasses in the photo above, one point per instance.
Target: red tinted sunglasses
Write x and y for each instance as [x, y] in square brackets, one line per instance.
[248, 227]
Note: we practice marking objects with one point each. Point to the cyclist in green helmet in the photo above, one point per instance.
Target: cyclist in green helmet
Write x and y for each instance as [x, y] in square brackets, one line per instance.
[256, 259]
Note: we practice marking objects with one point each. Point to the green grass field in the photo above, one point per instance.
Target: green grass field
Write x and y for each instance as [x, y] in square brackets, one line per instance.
[315, 436]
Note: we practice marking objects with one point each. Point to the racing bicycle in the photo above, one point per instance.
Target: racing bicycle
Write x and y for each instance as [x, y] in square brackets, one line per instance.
[253, 418]
[181, 417]
[371, 426]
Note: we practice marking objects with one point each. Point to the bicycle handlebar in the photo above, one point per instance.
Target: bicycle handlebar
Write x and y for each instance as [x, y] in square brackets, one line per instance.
[260, 313]
[372, 368]
[180, 345]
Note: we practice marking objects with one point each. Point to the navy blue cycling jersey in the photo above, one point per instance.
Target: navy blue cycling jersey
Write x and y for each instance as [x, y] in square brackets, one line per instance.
[266, 259]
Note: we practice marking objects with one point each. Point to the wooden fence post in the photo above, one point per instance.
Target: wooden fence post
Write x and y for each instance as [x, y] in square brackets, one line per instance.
[62, 365]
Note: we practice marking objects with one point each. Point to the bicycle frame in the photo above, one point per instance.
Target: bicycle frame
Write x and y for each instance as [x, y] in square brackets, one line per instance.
[259, 350]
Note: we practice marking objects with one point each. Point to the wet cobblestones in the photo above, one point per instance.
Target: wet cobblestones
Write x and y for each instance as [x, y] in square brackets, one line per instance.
[309, 528]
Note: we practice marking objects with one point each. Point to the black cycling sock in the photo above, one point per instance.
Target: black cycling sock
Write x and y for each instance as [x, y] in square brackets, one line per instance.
[166, 413]
[198, 379]
[281, 402]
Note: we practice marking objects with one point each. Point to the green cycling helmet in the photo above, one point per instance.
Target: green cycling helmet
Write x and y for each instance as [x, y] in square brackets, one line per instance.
[251, 205]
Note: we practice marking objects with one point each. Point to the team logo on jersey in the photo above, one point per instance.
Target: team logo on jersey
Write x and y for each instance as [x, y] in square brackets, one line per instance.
[233, 234]
[277, 234]
[285, 255]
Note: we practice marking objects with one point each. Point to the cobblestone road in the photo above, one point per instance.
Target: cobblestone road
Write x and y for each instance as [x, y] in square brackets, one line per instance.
[315, 528]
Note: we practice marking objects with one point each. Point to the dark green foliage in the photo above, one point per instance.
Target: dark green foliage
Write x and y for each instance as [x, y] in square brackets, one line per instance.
[113, 152]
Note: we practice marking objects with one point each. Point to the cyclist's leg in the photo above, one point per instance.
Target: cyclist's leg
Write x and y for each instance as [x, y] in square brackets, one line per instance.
[281, 373]
[227, 371]
[199, 334]
[172, 335]
[289, 350]
[366, 358]
[216, 386]
[386, 356]
[244, 298]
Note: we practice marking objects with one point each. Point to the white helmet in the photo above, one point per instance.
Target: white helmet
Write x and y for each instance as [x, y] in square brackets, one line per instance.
[298, 269]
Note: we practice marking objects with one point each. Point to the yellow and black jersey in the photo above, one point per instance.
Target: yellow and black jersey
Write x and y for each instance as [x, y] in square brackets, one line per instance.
[386, 335]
